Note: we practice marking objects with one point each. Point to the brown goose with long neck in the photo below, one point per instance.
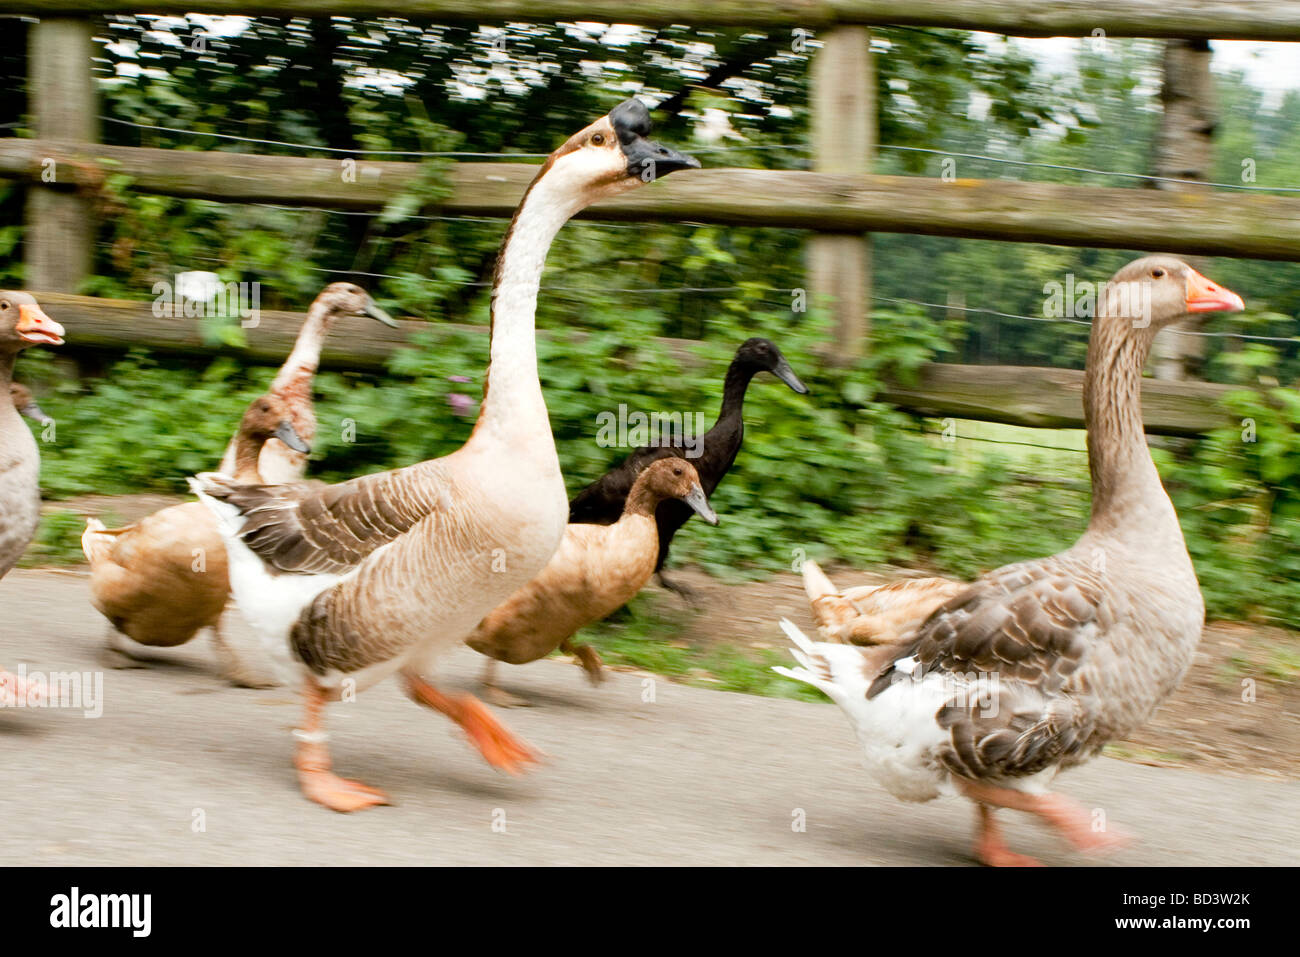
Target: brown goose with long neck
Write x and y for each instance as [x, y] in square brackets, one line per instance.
[1036, 666]
[278, 462]
[164, 578]
[596, 570]
[383, 574]
[22, 325]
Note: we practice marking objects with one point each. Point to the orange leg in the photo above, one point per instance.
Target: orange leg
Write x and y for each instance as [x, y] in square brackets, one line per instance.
[312, 760]
[499, 747]
[588, 658]
[1070, 819]
[990, 848]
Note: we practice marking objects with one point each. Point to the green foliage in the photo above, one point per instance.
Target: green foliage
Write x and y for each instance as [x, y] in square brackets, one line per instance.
[1238, 495]
[58, 540]
[833, 475]
[645, 633]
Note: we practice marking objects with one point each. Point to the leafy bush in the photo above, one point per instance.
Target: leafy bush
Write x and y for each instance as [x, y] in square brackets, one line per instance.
[833, 475]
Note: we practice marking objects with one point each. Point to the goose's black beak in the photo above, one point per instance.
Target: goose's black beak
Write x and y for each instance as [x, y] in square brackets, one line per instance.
[286, 434]
[646, 159]
[786, 375]
[697, 500]
[649, 160]
[374, 312]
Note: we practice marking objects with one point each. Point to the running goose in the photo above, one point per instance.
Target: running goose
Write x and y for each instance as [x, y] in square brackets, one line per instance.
[601, 502]
[1036, 666]
[597, 570]
[22, 325]
[385, 573]
[162, 579]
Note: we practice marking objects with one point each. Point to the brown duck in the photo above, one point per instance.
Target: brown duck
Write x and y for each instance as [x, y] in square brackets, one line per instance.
[162, 579]
[597, 570]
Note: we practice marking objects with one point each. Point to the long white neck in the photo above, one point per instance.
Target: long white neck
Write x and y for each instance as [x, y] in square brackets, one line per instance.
[305, 357]
[513, 402]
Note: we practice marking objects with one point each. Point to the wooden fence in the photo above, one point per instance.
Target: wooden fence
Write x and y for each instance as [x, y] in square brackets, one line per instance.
[840, 200]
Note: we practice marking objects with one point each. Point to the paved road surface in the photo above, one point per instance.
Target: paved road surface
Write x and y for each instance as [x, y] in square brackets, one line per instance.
[696, 777]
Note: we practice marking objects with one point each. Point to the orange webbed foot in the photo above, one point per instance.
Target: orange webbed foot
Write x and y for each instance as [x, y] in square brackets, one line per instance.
[499, 747]
[339, 794]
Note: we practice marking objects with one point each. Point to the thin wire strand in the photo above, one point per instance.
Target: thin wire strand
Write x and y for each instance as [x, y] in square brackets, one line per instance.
[978, 438]
[1084, 169]
[753, 287]
[326, 149]
[1086, 322]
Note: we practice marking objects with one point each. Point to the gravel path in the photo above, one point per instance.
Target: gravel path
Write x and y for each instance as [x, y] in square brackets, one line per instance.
[692, 777]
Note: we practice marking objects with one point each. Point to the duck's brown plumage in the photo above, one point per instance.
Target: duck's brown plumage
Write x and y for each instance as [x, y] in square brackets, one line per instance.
[597, 569]
[162, 579]
[874, 614]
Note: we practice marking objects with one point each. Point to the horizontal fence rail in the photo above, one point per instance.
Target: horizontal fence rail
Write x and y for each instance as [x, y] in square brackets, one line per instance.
[1191, 19]
[1192, 222]
[1016, 395]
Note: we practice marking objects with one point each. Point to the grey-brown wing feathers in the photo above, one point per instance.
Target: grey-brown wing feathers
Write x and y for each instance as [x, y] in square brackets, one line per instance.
[328, 529]
[1019, 641]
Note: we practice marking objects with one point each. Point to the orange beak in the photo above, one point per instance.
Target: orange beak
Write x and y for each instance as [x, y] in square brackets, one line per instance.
[35, 326]
[1205, 296]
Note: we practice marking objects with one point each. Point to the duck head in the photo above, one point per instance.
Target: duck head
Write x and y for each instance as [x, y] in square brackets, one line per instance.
[673, 477]
[26, 404]
[348, 299]
[24, 324]
[1157, 291]
[269, 417]
[762, 355]
[611, 156]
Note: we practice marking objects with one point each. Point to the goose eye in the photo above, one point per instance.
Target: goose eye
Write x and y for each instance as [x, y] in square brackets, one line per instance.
[597, 139]
[1157, 273]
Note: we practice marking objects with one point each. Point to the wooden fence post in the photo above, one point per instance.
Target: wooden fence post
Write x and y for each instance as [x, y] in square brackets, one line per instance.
[60, 236]
[1184, 150]
[843, 99]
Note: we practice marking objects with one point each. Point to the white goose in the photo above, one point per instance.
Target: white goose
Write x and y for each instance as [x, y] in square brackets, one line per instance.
[385, 573]
[1036, 666]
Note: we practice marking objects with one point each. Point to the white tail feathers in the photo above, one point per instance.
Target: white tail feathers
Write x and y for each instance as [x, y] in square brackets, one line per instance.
[815, 669]
[815, 582]
[95, 544]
